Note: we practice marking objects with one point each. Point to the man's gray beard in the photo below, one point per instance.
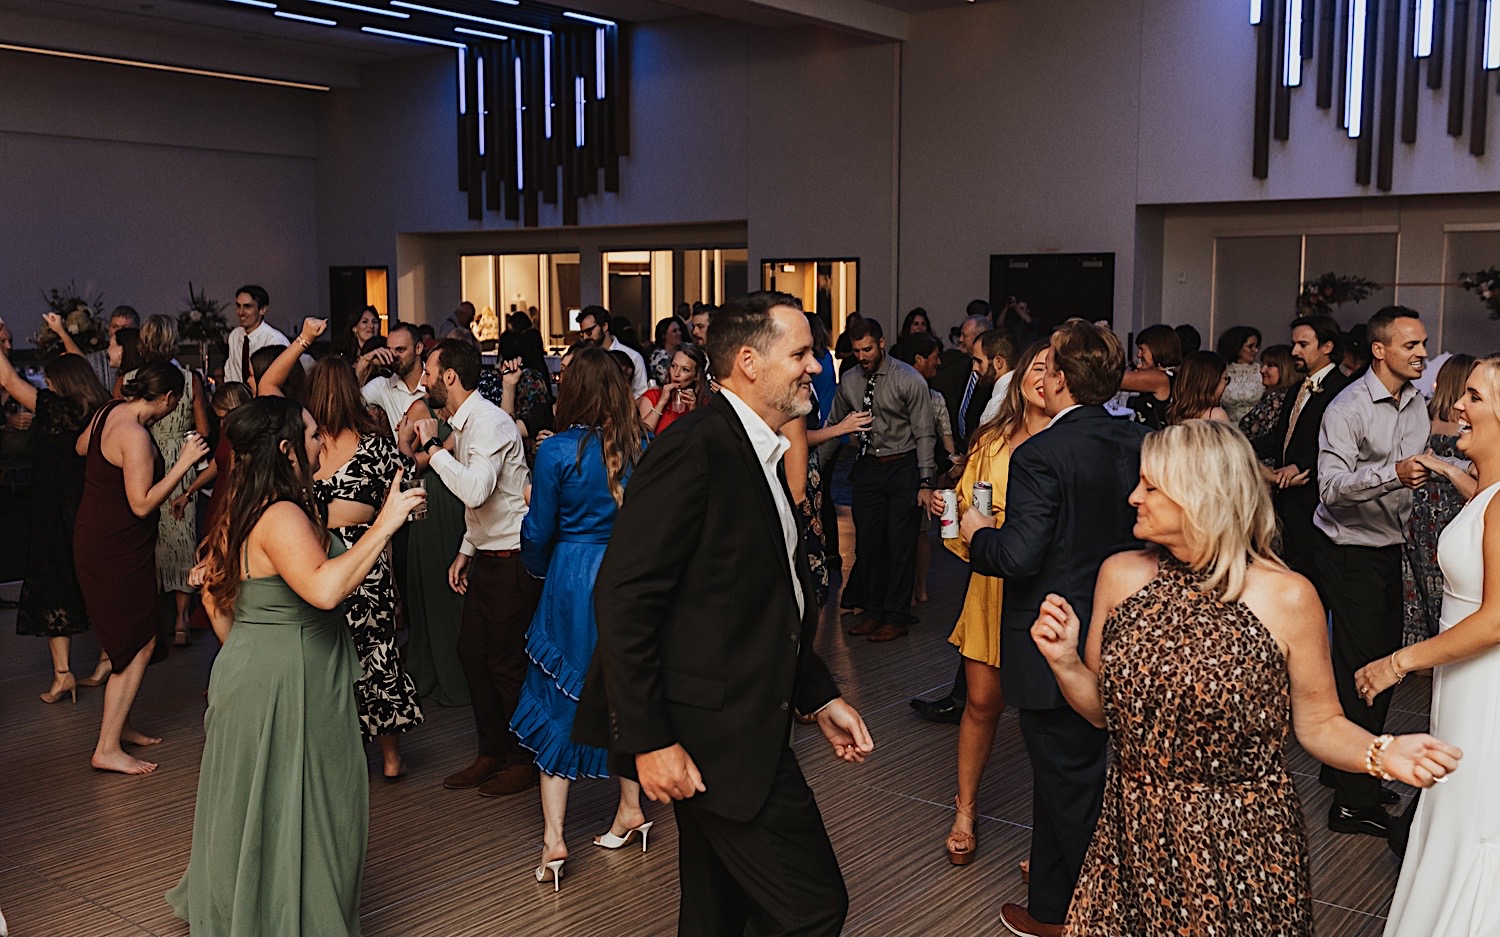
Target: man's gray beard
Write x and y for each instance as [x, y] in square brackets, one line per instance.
[791, 405]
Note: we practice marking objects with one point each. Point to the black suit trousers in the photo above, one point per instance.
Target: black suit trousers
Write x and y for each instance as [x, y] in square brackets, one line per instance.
[772, 875]
[1362, 586]
[887, 520]
[498, 607]
[1067, 775]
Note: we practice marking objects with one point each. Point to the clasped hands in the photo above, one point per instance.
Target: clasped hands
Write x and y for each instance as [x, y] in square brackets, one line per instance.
[669, 774]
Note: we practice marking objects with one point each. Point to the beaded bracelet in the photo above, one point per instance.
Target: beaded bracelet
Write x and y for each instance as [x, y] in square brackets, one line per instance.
[1375, 757]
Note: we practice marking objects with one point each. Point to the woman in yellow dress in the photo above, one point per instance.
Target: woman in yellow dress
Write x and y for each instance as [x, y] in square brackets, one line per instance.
[977, 632]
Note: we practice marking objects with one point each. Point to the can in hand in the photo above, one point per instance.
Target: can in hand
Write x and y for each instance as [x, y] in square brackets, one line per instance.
[408, 482]
[984, 498]
[948, 524]
[202, 464]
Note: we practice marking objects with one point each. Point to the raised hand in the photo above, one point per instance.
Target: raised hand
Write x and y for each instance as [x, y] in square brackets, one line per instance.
[1056, 631]
[313, 327]
[194, 449]
[54, 322]
[399, 502]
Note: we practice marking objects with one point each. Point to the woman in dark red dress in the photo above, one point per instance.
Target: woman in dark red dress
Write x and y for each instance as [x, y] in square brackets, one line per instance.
[114, 543]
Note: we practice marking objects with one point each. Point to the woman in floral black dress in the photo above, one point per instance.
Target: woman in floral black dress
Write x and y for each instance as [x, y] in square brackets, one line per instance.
[51, 605]
[358, 463]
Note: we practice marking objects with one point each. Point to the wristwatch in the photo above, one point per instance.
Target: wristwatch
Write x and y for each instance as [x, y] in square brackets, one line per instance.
[433, 443]
[924, 483]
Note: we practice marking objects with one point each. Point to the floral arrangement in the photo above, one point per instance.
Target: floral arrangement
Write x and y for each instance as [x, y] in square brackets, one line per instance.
[203, 320]
[1486, 285]
[82, 316]
[1319, 296]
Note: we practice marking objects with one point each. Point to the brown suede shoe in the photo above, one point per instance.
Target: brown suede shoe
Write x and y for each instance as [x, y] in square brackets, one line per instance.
[887, 632]
[865, 626]
[474, 775]
[513, 779]
[1018, 920]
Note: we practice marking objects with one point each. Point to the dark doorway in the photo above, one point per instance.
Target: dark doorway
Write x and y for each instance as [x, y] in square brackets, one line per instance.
[350, 290]
[1056, 287]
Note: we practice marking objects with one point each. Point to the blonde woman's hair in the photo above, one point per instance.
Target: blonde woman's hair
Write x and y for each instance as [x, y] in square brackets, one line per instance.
[1208, 469]
[159, 338]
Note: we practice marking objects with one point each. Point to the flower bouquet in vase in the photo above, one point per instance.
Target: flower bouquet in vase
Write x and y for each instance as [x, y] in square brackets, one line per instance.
[82, 316]
[1319, 296]
[1486, 285]
[202, 322]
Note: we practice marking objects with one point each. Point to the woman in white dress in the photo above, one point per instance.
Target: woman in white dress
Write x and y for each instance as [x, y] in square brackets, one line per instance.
[1450, 879]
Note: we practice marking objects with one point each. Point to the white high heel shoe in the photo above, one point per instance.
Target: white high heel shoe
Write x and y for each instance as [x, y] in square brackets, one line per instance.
[611, 841]
[555, 867]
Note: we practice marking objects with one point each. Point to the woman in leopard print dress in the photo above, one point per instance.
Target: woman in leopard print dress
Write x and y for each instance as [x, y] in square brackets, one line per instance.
[1199, 648]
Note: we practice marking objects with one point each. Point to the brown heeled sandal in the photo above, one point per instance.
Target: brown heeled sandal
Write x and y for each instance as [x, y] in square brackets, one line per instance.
[961, 846]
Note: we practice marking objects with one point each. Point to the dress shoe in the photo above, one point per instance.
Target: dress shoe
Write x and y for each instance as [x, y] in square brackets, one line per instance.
[946, 709]
[887, 632]
[1019, 921]
[865, 626]
[513, 779]
[1371, 821]
[474, 775]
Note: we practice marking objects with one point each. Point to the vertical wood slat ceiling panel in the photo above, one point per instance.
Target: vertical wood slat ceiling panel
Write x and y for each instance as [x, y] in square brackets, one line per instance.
[1282, 125]
[1390, 58]
[1459, 68]
[1479, 116]
[1410, 82]
[1364, 148]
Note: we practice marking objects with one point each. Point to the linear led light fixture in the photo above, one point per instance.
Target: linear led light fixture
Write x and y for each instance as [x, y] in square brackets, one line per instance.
[1492, 35]
[405, 5]
[547, 87]
[599, 64]
[1256, 12]
[463, 82]
[1354, 89]
[578, 123]
[588, 19]
[411, 38]
[479, 32]
[396, 14]
[159, 67]
[479, 98]
[1292, 77]
[520, 137]
[318, 20]
[1422, 30]
[256, 3]
[516, 26]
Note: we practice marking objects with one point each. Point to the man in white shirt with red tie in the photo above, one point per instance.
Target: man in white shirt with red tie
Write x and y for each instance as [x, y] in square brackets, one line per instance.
[251, 303]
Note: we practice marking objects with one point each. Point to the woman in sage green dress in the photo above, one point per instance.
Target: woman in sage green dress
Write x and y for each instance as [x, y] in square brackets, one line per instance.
[433, 609]
[282, 812]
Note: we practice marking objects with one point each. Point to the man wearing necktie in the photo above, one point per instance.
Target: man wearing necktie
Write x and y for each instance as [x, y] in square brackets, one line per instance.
[1292, 443]
[251, 303]
[893, 480]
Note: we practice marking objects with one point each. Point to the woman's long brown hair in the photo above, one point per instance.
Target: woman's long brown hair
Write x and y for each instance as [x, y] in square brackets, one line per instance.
[1012, 412]
[334, 400]
[1194, 391]
[594, 395]
[261, 475]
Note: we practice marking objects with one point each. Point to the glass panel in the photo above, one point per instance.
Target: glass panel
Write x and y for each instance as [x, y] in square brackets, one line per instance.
[1466, 323]
[1255, 284]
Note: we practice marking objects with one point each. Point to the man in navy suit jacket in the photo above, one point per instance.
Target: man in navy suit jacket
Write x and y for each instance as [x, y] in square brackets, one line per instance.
[1065, 513]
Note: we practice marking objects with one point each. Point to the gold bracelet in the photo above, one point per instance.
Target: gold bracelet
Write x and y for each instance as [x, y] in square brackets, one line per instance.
[1375, 757]
[1396, 668]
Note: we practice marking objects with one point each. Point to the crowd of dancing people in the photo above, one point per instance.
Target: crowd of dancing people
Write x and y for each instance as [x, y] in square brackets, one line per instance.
[620, 568]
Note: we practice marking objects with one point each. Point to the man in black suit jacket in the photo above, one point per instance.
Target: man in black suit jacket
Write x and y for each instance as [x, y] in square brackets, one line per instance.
[1065, 513]
[706, 623]
[1315, 342]
[958, 381]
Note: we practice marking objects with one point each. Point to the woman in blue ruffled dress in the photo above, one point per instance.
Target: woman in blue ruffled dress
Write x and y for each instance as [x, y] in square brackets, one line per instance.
[578, 483]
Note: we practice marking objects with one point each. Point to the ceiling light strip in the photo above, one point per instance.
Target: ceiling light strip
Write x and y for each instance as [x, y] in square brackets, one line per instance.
[420, 8]
[411, 38]
[1292, 76]
[318, 20]
[480, 32]
[1492, 35]
[256, 3]
[588, 19]
[520, 134]
[159, 67]
[1422, 32]
[599, 64]
[1256, 12]
[1354, 91]
[359, 7]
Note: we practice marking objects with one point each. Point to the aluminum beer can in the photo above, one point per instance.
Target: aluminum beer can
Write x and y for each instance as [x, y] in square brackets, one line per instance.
[984, 498]
[948, 524]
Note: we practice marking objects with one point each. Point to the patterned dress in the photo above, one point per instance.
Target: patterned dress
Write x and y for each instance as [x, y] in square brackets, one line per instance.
[1263, 416]
[386, 695]
[1432, 507]
[1244, 390]
[176, 538]
[1201, 830]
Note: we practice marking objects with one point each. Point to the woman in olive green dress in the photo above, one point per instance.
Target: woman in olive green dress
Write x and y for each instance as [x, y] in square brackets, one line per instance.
[282, 813]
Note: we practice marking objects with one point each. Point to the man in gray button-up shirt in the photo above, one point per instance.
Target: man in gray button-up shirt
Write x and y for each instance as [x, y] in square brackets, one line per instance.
[1369, 436]
[892, 479]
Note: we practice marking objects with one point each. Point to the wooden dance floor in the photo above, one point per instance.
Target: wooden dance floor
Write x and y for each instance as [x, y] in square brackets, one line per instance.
[83, 853]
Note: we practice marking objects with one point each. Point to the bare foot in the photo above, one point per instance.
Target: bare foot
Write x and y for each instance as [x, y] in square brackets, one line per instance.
[123, 763]
[131, 737]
